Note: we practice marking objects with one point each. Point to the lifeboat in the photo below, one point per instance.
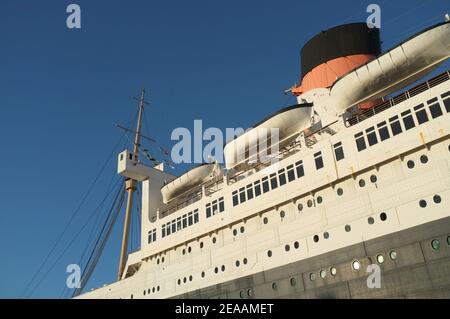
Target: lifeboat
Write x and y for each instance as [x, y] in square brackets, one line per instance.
[189, 180]
[289, 121]
[397, 68]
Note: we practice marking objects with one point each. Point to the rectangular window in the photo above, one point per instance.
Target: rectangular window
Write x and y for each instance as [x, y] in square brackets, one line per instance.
[446, 99]
[190, 219]
[421, 114]
[215, 208]
[435, 108]
[299, 169]
[179, 223]
[154, 235]
[250, 191]
[221, 205]
[163, 231]
[174, 227]
[383, 131]
[168, 232]
[338, 151]
[371, 136]
[408, 120]
[395, 125]
[273, 181]
[318, 160]
[242, 195]
[208, 210]
[196, 216]
[282, 177]
[265, 184]
[235, 198]
[257, 188]
[360, 142]
[290, 173]
[184, 221]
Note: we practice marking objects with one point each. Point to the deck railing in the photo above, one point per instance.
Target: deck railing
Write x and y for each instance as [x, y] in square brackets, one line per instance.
[399, 98]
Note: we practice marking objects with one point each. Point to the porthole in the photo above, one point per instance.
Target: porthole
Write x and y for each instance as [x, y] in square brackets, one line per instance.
[316, 238]
[189, 250]
[282, 214]
[356, 265]
[245, 261]
[348, 228]
[223, 268]
[435, 244]
[300, 207]
[323, 273]
[249, 292]
[423, 203]
[234, 232]
[153, 289]
[319, 199]
[373, 178]
[148, 290]
[370, 220]
[448, 240]
[312, 276]
[287, 247]
[333, 271]
[242, 229]
[269, 253]
[296, 245]
[179, 281]
[238, 263]
[184, 252]
[184, 280]
[145, 292]
[201, 245]
[362, 183]
[190, 278]
[265, 220]
[242, 294]
[162, 260]
[424, 159]
[340, 191]
[383, 217]
[309, 203]
[437, 199]
[216, 270]
[393, 255]
[380, 258]
[203, 274]
[293, 282]
[326, 235]
[158, 288]
[274, 286]
[157, 261]
[214, 240]
[410, 164]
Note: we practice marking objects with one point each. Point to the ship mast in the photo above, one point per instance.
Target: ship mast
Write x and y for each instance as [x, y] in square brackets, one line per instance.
[130, 187]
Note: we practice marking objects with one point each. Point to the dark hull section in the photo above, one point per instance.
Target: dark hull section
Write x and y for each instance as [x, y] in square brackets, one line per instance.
[419, 271]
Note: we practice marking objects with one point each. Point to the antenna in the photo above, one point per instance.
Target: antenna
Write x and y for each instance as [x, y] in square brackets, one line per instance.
[130, 187]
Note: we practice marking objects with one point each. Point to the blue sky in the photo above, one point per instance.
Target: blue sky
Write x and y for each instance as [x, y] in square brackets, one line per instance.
[62, 91]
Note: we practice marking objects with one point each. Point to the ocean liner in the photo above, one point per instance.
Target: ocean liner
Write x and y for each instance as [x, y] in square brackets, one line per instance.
[361, 180]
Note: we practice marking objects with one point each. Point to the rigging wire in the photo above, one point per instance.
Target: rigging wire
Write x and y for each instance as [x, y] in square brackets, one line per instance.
[102, 238]
[97, 211]
[25, 292]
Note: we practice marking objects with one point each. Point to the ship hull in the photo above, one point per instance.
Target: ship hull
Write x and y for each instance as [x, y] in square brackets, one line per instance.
[419, 271]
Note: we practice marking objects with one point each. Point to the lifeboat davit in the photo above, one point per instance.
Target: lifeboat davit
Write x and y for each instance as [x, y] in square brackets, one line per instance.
[397, 68]
[189, 180]
[289, 121]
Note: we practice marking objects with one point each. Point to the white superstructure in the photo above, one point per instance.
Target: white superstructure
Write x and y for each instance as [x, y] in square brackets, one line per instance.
[341, 179]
